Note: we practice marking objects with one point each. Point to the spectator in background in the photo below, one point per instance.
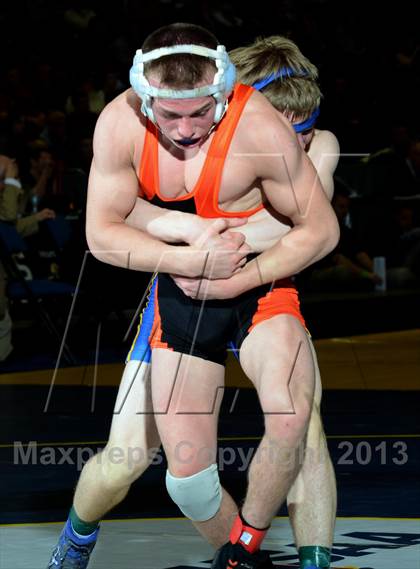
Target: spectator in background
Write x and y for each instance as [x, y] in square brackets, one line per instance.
[403, 255]
[18, 130]
[349, 267]
[16, 88]
[113, 85]
[78, 16]
[42, 180]
[14, 199]
[75, 178]
[87, 97]
[6, 345]
[55, 135]
[5, 321]
[81, 119]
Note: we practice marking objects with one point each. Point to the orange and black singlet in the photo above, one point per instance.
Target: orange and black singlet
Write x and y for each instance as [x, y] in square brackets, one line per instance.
[172, 320]
[204, 198]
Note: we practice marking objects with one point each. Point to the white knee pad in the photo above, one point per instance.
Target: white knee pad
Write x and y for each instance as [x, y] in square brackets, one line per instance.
[198, 496]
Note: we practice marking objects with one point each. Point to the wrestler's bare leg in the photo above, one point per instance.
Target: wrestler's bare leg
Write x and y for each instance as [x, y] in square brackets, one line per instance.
[187, 393]
[312, 500]
[107, 476]
[276, 356]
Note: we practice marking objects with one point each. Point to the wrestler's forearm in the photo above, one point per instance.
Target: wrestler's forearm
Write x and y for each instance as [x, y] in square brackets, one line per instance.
[300, 248]
[180, 227]
[123, 246]
[263, 232]
[163, 224]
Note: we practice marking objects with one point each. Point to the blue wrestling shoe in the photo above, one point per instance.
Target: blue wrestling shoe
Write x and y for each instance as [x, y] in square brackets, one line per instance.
[72, 551]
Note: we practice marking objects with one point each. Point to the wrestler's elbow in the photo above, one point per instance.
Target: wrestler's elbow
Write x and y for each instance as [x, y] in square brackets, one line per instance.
[324, 237]
[329, 235]
[96, 244]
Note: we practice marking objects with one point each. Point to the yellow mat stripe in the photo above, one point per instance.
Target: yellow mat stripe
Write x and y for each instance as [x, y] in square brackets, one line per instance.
[374, 361]
[19, 524]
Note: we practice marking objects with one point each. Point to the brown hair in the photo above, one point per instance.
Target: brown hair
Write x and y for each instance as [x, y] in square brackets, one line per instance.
[180, 70]
[298, 95]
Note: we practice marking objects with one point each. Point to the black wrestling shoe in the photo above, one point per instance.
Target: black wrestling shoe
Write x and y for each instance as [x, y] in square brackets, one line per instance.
[234, 556]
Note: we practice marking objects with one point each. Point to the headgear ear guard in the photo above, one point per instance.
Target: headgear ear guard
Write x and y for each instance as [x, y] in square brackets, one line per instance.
[223, 82]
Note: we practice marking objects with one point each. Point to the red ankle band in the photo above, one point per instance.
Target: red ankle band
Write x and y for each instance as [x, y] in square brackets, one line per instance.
[250, 538]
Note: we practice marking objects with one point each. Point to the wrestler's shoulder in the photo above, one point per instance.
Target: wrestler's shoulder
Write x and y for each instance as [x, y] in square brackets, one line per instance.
[326, 141]
[261, 122]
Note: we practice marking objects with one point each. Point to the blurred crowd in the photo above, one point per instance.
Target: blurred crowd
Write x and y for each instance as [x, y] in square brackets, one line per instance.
[64, 60]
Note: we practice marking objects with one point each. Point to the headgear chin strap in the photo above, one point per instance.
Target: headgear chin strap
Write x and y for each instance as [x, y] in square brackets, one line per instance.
[221, 88]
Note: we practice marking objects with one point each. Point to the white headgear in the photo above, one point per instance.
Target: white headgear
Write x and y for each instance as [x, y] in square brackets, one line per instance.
[222, 86]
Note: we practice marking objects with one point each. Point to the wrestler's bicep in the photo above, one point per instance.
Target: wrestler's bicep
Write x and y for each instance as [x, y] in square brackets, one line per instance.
[112, 194]
[113, 183]
[294, 187]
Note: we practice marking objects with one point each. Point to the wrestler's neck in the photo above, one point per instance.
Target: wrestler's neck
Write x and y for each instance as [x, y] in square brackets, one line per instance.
[314, 142]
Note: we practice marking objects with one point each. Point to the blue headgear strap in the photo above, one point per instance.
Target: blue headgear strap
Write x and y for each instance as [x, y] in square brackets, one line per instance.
[309, 123]
[283, 72]
[289, 72]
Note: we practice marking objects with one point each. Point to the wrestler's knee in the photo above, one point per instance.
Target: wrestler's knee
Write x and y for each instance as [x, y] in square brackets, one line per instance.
[188, 459]
[288, 419]
[198, 496]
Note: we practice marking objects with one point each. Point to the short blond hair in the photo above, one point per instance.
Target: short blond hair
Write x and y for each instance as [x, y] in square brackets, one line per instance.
[298, 95]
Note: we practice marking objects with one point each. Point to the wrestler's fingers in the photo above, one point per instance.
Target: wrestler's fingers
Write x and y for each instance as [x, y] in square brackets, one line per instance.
[224, 223]
[242, 254]
[234, 221]
[239, 267]
[184, 289]
[245, 249]
[235, 237]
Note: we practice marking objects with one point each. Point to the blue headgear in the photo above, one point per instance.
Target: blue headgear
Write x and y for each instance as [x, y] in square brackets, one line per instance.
[289, 72]
[222, 86]
[308, 123]
[283, 72]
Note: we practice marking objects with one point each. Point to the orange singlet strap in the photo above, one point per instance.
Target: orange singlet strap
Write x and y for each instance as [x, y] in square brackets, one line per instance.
[149, 172]
[207, 193]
